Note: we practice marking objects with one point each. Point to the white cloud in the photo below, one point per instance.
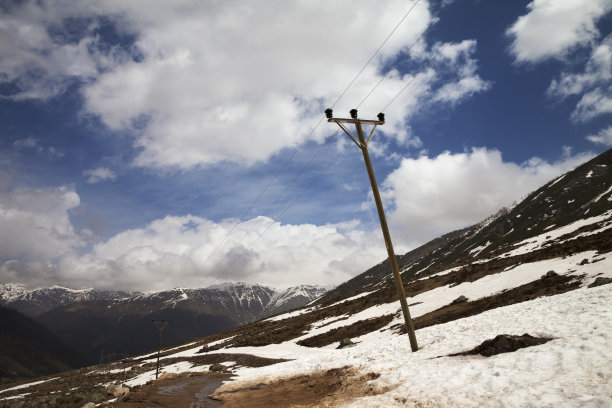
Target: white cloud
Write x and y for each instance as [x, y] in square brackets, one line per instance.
[593, 84]
[598, 70]
[430, 196]
[210, 82]
[39, 249]
[36, 225]
[604, 137]
[552, 28]
[593, 103]
[99, 174]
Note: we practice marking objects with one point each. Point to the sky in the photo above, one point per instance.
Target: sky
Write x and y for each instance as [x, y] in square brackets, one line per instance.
[152, 145]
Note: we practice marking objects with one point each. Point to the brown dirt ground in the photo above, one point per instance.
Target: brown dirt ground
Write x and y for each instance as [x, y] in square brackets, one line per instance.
[321, 389]
[183, 391]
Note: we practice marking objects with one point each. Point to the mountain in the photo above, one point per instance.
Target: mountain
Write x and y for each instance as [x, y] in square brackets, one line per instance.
[512, 311]
[28, 349]
[38, 301]
[579, 200]
[106, 325]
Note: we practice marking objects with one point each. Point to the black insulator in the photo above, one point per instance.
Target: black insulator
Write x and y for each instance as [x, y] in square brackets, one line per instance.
[329, 113]
[354, 113]
[381, 117]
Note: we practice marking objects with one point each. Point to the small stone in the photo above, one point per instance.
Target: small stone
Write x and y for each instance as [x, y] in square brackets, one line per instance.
[549, 274]
[345, 342]
[217, 367]
[584, 262]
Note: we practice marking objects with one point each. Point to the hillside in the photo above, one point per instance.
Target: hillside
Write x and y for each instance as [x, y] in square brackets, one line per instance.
[542, 269]
[28, 349]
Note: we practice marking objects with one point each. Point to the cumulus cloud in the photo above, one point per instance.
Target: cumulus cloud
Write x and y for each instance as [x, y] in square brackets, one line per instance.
[99, 174]
[36, 224]
[593, 84]
[201, 83]
[604, 137]
[40, 247]
[430, 196]
[552, 28]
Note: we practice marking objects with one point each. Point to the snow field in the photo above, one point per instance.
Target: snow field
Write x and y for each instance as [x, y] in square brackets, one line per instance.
[573, 370]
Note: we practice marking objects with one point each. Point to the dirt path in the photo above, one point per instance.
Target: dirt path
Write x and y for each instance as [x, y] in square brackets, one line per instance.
[188, 392]
[322, 389]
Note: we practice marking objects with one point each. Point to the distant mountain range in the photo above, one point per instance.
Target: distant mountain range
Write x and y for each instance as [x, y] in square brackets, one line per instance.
[106, 325]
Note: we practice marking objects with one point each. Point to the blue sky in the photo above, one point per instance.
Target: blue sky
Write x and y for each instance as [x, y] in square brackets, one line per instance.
[181, 143]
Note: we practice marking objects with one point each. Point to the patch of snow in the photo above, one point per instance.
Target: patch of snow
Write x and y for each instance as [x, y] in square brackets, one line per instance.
[603, 194]
[15, 397]
[533, 243]
[557, 180]
[479, 249]
[589, 174]
[19, 387]
[350, 298]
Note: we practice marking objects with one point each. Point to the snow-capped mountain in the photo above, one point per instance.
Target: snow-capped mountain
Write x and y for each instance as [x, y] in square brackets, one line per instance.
[111, 322]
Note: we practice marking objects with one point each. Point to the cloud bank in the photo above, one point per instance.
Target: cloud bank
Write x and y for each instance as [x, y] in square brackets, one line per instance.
[425, 197]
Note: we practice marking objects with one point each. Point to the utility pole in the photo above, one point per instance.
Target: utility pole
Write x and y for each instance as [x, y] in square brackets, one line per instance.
[362, 143]
[161, 325]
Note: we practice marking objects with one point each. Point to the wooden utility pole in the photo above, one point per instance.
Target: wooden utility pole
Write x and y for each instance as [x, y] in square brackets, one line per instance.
[161, 325]
[362, 143]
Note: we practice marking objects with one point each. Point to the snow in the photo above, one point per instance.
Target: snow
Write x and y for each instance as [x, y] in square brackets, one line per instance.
[15, 396]
[603, 194]
[535, 242]
[573, 370]
[350, 298]
[290, 314]
[589, 174]
[479, 249]
[557, 180]
[19, 387]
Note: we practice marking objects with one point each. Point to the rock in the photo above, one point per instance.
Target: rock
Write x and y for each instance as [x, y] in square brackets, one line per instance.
[167, 376]
[460, 299]
[346, 342]
[89, 405]
[549, 274]
[584, 262]
[600, 281]
[505, 343]
[117, 391]
[217, 367]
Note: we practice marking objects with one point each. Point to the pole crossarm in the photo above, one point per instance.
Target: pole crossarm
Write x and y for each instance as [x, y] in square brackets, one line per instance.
[362, 143]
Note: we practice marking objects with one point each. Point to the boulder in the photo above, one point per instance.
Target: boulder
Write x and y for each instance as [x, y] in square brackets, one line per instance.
[117, 390]
[460, 299]
[549, 274]
[346, 342]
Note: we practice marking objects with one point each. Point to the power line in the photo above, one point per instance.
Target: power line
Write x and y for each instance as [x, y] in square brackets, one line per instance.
[375, 53]
[432, 22]
[308, 136]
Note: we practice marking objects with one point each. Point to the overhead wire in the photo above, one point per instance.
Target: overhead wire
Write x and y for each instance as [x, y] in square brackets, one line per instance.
[306, 138]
